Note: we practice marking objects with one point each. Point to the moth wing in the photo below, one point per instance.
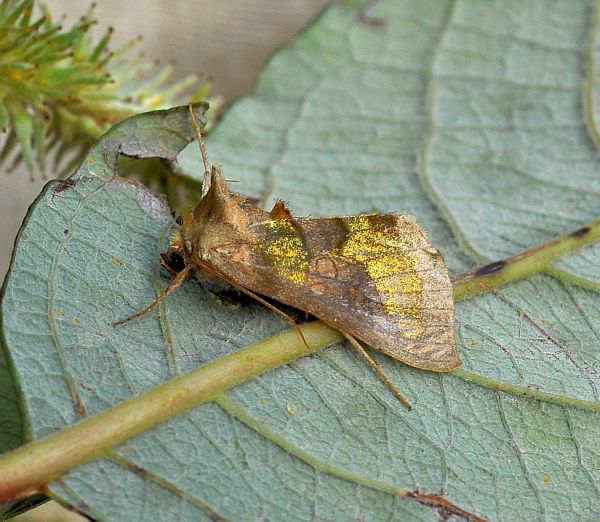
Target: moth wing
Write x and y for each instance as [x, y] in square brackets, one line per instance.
[374, 276]
[426, 341]
[384, 283]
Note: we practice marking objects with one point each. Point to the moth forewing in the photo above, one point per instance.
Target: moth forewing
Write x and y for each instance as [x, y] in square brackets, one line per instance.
[375, 277]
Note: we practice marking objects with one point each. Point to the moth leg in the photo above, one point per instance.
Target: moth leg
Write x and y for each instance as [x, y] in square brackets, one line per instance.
[179, 279]
[378, 370]
[289, 319]
[169, 268]
[279, 312]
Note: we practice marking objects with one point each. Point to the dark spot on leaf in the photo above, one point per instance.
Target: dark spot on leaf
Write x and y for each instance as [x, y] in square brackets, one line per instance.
[66, 231]
[490, 268]
[61, 186]
[445, 508]
[375, 23]
[580, 232]
[79, 407]
[138, 470]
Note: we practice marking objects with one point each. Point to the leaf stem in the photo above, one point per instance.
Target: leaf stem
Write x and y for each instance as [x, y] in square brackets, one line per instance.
[27, 469]
[524, 264]
[533, 393]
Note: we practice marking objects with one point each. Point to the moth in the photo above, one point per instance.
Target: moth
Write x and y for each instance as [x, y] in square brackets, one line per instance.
[374, 277]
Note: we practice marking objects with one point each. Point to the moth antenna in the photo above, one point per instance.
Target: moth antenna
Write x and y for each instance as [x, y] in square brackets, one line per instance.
[200, 139]
[378, 370]
[179, 279]
[250, 293]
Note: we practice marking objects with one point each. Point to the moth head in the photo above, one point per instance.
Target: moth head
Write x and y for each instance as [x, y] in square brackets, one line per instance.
[183, 243]
[219, 218]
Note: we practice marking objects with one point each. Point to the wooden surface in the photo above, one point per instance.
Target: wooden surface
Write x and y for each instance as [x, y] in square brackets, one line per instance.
[226, 40]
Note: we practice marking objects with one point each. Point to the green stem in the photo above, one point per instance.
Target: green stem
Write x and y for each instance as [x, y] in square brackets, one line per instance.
[27, 469]
[589, 86]
[516, 389]
[522, 265]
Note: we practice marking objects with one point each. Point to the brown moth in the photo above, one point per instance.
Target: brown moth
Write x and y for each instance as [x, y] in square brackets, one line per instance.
[373, 277]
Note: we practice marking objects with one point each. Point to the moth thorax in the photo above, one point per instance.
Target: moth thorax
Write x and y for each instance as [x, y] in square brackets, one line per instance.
[177, 242]
[181, 245]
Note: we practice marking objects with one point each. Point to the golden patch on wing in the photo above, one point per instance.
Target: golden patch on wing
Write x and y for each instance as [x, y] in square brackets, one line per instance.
[285, 249]
[391, 261]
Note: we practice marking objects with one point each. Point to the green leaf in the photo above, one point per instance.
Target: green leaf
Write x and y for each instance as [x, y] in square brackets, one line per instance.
[11, 422]
[466, 114]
